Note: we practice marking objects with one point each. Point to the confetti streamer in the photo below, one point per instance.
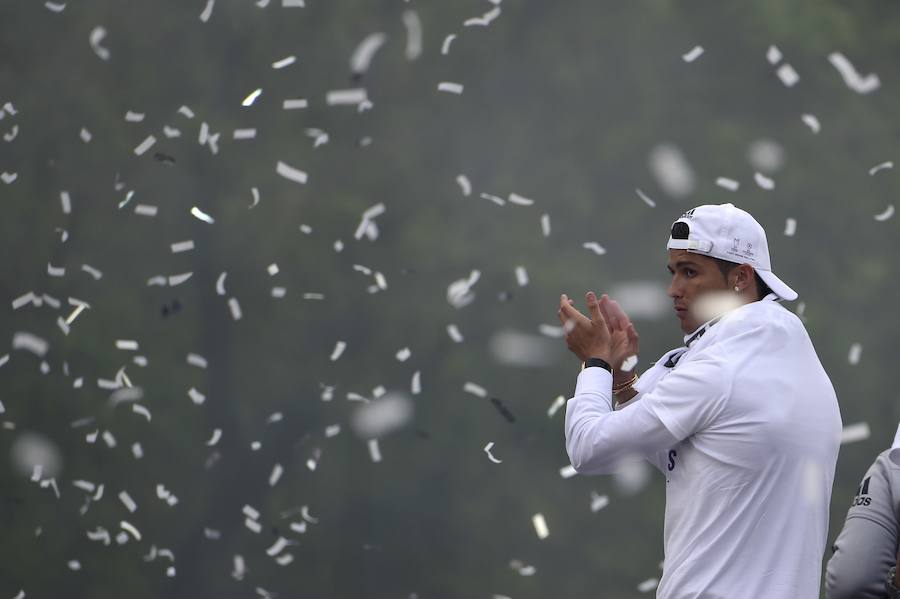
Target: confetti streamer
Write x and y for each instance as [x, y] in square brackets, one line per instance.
[594, 247]
[251, 98]
[648, 585]
[476, 390]
[879, 167]
[197, 213]
[888, 213]
[464, 185]
[294, 104]
[450, 87]
[763, 181]
[207, 12]
[540, 526]
[362, 56]
[484, 20]
[693, 55]
[855, 81]
[96, 37]
[729, 184]
[342, 97]
[788, 75]
[645, 198]
[284, 62]
[413, 34]
[445, 46]
[855, 353]
[855, 432]
[545, 225]
[790, 227]
[487, 450]
[290, 173]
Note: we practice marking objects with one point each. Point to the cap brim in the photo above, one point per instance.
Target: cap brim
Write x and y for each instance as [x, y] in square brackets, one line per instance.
[777, 286]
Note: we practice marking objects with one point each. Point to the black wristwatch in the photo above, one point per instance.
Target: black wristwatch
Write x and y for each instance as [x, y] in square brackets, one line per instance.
[892, 589]
[599, 362]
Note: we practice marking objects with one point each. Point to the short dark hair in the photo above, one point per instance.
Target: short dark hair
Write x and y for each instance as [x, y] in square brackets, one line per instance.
[726, 267]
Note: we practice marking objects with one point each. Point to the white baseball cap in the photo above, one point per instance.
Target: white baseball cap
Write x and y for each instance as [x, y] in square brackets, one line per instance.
[726, 232]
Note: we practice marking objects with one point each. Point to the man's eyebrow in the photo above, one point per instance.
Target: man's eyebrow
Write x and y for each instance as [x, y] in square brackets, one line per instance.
[683, 262]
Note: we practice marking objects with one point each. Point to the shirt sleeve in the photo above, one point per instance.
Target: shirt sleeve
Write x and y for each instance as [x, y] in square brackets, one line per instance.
[867, 546]
[693, 395]
[599, 439]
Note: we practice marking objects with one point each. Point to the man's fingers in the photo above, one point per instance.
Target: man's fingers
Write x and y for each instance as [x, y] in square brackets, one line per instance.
[632, 336]
[594, 308]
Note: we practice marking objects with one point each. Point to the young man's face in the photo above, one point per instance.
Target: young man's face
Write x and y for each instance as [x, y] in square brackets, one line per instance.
[692, 276]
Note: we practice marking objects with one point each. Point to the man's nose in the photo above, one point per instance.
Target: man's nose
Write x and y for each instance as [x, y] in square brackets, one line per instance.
[674, 290]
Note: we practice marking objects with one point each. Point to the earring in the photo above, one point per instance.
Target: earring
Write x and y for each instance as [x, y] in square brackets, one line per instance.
[736, 288]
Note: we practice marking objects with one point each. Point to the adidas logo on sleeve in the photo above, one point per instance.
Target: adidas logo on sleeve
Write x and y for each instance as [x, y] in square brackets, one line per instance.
[862, 494]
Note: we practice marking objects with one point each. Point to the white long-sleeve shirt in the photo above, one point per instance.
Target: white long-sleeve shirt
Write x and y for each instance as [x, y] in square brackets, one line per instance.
[745, 425]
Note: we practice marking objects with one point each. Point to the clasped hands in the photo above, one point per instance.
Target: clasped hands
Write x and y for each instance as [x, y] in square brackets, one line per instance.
[608, 333]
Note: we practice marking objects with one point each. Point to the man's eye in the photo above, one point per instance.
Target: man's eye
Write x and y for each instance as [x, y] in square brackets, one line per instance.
[689, 272]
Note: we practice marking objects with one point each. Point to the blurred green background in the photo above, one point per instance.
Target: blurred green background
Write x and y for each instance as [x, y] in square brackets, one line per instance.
[575, 105]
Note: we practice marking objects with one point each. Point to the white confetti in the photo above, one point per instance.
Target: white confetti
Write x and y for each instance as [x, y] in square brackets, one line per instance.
[445, 46]
[518, 200]
[275, 475]
[55, 271]
[559, 402]
[598, 502]
[251, 98]
[693, 55]
[182, 246]
[495, 199]
[549, 330]
[145, 145]
[23, 300]
[568, 471]
[888, 213]
[386, 414]
[74, 565]
[474, 389]
[464, 185]
[855, 432]
[459, 293]
[220, 284]
[128, 502]
[53, 7]
[30, 342]
[216, 435]
[145, 210]
[127, 526]
[197, 213]
[338, 350]
[127, 344]
[293, 3]
[255, 192]
[66, 201]
[879, 167]
[484, 20]
[648, 585]
[450, 87]
[243, 134]
[855, 81]
[629, 363]
[196, 360]
[284, 62]
[207, 11]
[178, 279]
[85, 135]
[294, 104]
[645, 198]
[365, 51]
[594, 247]
[374, 450]
[196, 397]
[415, 384]
[773, 55]
[142, 410]
[8, 177]
[545, 225]
[403, 354]
[671, 170]
[413, 34]
[134, 117]
[540, 526]
[812, 122]
[854, 354]
[790, 227]
[788, 75]
[487, 450]
[729, 184]
[97, 35]
[454, 333]
[763, 181]
[341, 97]
[290, 173]
[521, 276]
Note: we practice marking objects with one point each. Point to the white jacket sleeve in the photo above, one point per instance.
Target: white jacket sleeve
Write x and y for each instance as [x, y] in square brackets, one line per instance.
[599, 439]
